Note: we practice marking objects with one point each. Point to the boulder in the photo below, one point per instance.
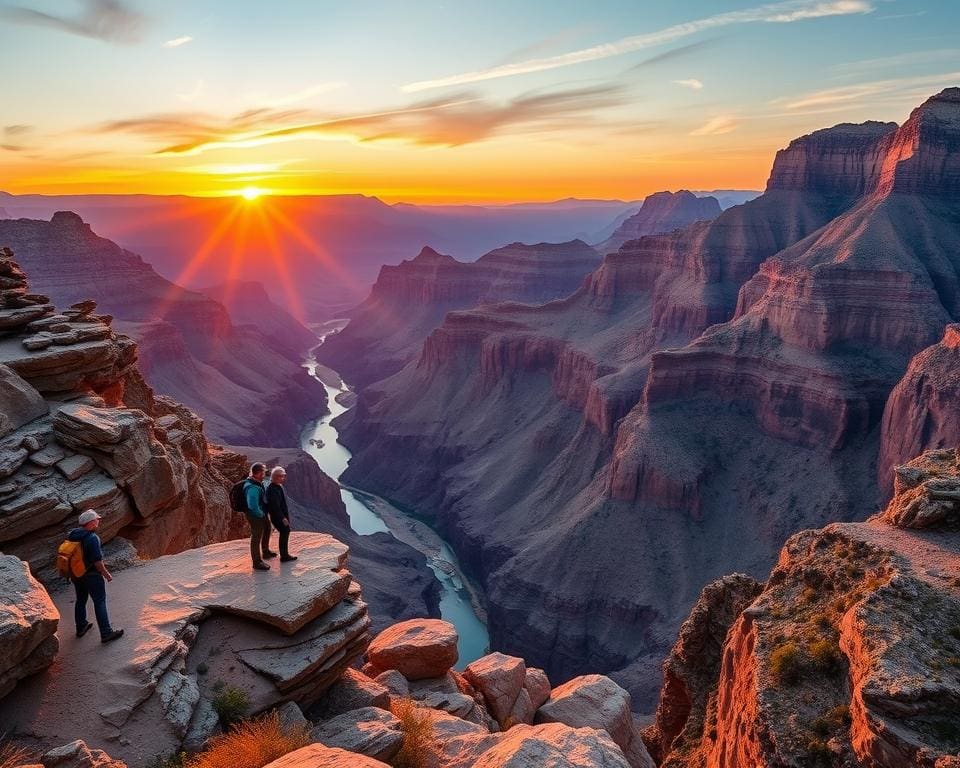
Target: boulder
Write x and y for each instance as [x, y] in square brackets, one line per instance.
[418, 648]
[553, 745]
[319, 756]
[77, 754]
[454, 694]
[500, 678]
[456, 743]
[395, 683]
[369, 731]
[596, 701]
[354, 690]
[19, 402]
[291, 717]
[28, 623]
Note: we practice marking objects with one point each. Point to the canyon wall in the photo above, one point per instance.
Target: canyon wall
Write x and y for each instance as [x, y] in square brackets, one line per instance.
[704, 394]
[190, 348]
[662, 212]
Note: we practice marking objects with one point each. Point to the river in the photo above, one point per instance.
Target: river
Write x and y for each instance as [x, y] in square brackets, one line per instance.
[459, 603]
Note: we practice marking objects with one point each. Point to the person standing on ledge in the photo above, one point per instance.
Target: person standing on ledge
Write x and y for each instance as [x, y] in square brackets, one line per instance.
[93, 582]
[278, 511]
[257, 517]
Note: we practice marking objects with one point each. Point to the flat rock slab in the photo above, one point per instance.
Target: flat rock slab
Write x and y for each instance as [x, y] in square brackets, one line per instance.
[157, 604]
[554, 745]
[319, 756]
[369, 731]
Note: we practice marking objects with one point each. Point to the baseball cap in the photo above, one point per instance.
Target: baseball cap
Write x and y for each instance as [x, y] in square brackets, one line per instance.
[88, 516]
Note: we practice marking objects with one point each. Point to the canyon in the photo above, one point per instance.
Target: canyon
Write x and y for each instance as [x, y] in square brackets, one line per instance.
[410, 300]
[702, 396]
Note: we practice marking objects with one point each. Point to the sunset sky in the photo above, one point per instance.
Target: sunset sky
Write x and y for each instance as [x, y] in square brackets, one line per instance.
[446, 101]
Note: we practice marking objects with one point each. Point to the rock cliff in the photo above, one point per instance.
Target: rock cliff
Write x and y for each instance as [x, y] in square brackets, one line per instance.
[80, 428]
[662, 212]
[699, 384]
[190, 348]
[849, 656]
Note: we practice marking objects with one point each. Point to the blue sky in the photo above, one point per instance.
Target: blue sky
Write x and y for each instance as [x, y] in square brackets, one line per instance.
[447, 100]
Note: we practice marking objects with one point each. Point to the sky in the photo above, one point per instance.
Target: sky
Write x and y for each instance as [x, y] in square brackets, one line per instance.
[443, 102]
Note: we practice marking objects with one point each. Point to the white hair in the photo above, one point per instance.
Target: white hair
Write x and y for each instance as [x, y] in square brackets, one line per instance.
[277, 471]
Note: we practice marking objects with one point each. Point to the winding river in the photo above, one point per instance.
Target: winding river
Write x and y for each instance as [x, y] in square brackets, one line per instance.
[371, 514]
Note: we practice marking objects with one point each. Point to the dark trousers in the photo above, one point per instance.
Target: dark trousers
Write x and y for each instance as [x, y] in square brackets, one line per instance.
[92, 585]
[284, 531]
[259, 537]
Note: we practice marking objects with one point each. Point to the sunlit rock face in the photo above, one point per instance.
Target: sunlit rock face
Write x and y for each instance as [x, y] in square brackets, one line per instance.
[190, 348]
[847, 656]
[195, 623]
[730, 376]
[79, 428]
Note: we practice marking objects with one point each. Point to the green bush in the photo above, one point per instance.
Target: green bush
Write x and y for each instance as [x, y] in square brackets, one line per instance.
[786, 663]
[173, 760]
[231, 705]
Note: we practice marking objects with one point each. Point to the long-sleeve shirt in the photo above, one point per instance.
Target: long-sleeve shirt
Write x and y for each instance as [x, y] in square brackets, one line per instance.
[277, 504]
[254, 495]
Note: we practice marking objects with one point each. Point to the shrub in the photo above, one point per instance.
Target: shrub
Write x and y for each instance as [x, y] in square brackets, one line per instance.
[251, 744]
[417, 729]
[826, 655]
[173, 760]
[12, 756]
[231, 705]
[785, 663]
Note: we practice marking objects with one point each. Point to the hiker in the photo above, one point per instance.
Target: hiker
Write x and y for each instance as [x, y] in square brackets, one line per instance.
[278, 511]
[92, 583]
[256, 515]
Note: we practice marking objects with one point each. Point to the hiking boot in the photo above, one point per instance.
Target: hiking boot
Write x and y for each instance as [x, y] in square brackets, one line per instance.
[114, 634]
[287, 558]
[85, 629]
[260, 566]
[268, 554]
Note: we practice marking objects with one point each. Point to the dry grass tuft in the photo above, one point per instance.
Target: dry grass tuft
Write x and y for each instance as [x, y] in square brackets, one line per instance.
[11, 756]
[417, 731]
[251, 744]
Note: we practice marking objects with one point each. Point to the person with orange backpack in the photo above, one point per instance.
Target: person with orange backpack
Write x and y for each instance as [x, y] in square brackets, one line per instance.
[80, 558]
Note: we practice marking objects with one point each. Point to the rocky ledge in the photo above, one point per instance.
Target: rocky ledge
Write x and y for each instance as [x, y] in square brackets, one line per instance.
[850, 655]
[199, 625]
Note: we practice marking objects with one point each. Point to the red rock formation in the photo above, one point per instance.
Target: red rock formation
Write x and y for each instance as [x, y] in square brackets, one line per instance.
[847, 655]
[246, 387]
[921, 411]
[553, 443]
[662, 212]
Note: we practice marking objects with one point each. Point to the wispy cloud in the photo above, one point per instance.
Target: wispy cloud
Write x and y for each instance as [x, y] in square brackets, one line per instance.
[691, 83]
[194, 93]
[108, 20]
[890, 16]
[178, 41]
[458, 119]
[717, 126]
[860, 91]
[14, 137]
[304, 94]
[781, 13]
[898, 61]
[679, 52]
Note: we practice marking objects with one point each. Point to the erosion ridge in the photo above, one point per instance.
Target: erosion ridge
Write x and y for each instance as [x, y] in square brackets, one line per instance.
[697, 385]
[662, 212]
[189, 347]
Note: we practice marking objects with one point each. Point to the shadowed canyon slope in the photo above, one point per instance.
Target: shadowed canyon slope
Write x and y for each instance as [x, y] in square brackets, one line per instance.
[190, 347]
[410, 300]
[706, 393]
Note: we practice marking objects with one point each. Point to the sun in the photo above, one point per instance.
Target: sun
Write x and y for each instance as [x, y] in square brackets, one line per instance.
[251, 193]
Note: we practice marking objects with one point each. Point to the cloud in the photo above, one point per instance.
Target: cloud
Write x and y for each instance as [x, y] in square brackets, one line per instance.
[194, 93]
[178, 41]
[304, 93]
[13, 137]
[108, 20]
[717, 126]
[454, 120]
[847, 93]
[674, 53]
[692, 83]
[783, 12]
[901, 15]
[897, 61]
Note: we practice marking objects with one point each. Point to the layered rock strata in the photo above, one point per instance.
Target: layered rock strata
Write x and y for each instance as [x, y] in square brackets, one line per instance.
[662, 212]
[80, 429]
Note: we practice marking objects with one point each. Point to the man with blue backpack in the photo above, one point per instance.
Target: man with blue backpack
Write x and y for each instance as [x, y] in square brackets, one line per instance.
[247, 496]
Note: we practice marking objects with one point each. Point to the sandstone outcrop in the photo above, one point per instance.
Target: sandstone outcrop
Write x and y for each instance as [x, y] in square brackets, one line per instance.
[512, 693]
[662, 212]
[319, 756]
[370, 731]
[849, 654]
[189, 346]
[77, 754]
[80, 429]
[28, 624]
[198, 624]
[634, 414]
[418, 649]
[554, 745]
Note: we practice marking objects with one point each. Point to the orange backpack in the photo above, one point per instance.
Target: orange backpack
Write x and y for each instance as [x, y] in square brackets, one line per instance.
[70, 559]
